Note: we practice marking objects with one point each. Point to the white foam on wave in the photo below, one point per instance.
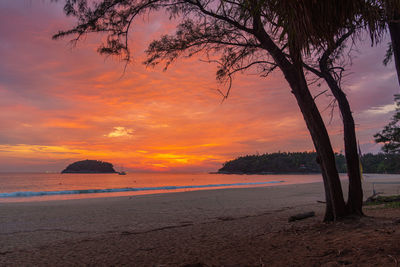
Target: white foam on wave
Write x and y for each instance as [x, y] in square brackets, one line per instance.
[126, 189]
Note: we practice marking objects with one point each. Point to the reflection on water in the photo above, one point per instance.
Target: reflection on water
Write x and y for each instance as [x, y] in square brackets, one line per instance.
[158, 182]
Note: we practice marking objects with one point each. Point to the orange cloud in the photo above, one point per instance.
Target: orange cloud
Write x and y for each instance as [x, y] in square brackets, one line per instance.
[120, 132]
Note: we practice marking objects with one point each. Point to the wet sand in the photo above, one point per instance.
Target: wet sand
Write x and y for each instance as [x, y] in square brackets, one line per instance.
[209, 227]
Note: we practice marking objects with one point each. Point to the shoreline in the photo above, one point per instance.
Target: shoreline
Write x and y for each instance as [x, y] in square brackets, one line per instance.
[20, 195]
[153, 228]
[267, 173]
[65, 195]
[27, 225]
[157, 195]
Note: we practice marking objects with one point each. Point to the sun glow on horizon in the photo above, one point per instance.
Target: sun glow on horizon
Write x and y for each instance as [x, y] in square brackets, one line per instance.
[130, 159]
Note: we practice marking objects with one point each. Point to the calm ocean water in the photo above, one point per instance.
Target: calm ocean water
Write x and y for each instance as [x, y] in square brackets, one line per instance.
[26, 187]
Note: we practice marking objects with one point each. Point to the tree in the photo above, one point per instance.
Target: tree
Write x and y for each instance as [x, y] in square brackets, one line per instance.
[246, 35]
[332, 75]
[319, 22]
[319, 32]
[330, 32]
[390, 135]
[392, 17]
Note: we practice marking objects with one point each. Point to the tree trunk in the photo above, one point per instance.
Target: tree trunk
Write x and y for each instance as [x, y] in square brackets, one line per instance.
[355, 194]
[394, 29]
[334, 195]
[329, 216]
[294, 74]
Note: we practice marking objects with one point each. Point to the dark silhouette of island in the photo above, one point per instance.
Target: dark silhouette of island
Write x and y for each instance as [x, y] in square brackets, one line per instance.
[89, 166]
[306, 162]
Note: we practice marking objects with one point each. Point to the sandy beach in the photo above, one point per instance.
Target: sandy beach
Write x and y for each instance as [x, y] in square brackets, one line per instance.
[227, 227]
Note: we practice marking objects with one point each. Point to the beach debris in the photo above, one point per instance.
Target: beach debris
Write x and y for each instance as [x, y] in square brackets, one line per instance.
[301, 216]
[225, 218]
[376, 199]
[373, 197]
[395, 260]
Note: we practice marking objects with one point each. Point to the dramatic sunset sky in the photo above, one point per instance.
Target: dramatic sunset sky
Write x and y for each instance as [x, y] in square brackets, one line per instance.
[59, 104]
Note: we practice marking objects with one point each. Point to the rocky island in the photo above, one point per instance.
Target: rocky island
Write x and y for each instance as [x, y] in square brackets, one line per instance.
[89, 166]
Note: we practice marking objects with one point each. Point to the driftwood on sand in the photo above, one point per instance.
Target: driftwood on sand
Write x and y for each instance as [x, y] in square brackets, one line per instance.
[301, 216]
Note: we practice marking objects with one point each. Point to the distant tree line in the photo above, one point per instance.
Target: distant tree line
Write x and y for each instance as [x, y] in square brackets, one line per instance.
[306, 162]
[381, 163]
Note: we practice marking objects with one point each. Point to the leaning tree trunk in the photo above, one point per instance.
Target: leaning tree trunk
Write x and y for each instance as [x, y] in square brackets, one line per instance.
[394, 29]
[329, 214]
[293, 72]
[355, 194]
[333, 190]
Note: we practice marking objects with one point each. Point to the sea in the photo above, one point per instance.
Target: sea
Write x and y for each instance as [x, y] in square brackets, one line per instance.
[28, 187]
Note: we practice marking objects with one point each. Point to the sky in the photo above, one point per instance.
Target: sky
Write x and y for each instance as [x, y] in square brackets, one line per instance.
[61, 103]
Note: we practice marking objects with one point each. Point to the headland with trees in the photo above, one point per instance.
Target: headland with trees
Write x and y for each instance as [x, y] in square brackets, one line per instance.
[306, 162]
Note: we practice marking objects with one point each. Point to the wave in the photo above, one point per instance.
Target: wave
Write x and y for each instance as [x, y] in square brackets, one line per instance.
[126, 189]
